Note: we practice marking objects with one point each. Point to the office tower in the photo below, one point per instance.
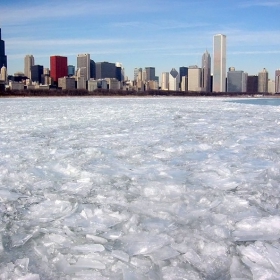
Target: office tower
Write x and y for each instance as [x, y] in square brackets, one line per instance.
[92, 69]
[105, 70]
[277, 81]
[136, 71]
[184, 83]
[59, 67]
[263, 81]
[174, 80]
[271, 87]
[139, 74]
[150, 73]
[183, 71]
[165, 81]
[119, 75]
[219, 67]
[28, 62]
[3, 74]
[194, 78]
[252, 84]
[121, 70]
[236, 80]
[206, 72]
[47, 71]
[66, 83]
[83, 61]
[36, 73]
[3, 57]
[71, 70]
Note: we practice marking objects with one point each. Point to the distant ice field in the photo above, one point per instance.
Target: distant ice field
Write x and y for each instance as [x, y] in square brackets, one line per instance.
[139, 188]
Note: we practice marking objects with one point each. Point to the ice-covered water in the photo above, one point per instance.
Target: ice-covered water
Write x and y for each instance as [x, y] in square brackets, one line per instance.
[139, 188]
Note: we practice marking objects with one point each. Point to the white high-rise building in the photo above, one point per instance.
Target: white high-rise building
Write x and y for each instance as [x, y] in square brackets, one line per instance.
[165, 81]
[263, 81]
[3, 74]
[83, 61]
[194, 78]
[28, 62]
[174, 80]
[219, 64]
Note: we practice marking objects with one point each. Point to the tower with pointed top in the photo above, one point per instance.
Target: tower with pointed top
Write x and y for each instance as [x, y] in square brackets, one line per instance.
[3, 57]
[206, 72]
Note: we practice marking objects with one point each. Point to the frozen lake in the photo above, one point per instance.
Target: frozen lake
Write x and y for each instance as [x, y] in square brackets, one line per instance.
[139, 188]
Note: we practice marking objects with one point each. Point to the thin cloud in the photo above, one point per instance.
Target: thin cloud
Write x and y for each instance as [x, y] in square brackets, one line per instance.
[260, 4]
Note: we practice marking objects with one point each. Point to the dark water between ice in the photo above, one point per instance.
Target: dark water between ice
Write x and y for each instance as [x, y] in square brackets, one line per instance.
[259, 101]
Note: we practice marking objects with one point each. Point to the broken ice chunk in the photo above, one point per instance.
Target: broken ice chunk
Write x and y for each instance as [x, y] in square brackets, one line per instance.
[120, 255]
[89, 248]
[96, 239]
[163, 253]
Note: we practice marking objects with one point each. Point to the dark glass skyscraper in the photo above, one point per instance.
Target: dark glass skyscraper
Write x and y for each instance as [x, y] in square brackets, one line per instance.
[105, 70]
[3, 57]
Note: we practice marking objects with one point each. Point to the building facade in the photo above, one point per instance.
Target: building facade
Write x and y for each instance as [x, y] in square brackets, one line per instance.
[252, 84]
[183, 71]
[206, 72]
[28, 62]
[59, 67]
[66, 83]
[105, 70]
[174, 80]
[36, 73]
[83, 61]
[71, 70]
[219, 63]
[236, 81]
[165, 81]
[3, 57]
[263, 81]
[194, 78]
[277, 81]
[150, 74]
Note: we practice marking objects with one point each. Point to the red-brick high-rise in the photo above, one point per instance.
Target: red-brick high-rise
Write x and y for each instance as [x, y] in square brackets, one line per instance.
[59, 67]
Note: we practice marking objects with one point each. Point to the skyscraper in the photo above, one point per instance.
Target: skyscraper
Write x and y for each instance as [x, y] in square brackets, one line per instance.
[36, 73]
[174, 80]
[252, 84]
[263, 81]
[3, 57]
[277, 81]
[105, 70]
[165, 81]
[59, 67]
[219, 68]
[150, 73]
[206, 72]
[83, 61]
[28, 62]
[194, 78]
[183, 71]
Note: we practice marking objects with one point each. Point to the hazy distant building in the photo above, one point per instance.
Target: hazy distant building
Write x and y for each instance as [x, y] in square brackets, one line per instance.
[36, 73]
[28, 62]
[174, 80]
[165, 81]
[92, 69]
[183, 71]
[113, 83]
[152, 85]
[83, 61]
[184, 83]
[105, 70]
[277, 81]
[219, 63]
[206, 72]
[71, 70]
[58, 67]
[136, 71]
[271, 87]
[236, 81]
[139, 74]
[120, 71]
[252, 84]
[67, 83]
[194, 78]
[263, 81]
[3, 74]
[3, 57]
[150, 74]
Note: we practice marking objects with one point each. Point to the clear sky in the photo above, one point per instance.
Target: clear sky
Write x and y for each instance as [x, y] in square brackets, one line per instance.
[159, 33]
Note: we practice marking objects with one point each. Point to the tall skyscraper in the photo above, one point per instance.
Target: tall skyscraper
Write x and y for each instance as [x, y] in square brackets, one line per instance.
[36, 73]
[252, 84]
[277, 81]
[174, 80]
[183, 71]
[263, 81]
[71, 70]
[150, 73]
[219, 67]
[206, 72]
[165, 81]
[59, 67]
[83, 61]
[28, 62]
[92, 69]
[3, 57]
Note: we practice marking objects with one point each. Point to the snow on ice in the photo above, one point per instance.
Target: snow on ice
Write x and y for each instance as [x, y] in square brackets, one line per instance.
[139, 188]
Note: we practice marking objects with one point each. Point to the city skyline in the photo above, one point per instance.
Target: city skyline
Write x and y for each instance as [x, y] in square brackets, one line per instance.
[159, 36]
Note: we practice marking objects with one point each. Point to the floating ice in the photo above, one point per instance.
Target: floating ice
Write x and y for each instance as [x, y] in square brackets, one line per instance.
[139, 188]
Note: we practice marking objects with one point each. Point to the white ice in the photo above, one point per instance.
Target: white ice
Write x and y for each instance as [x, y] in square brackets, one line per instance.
[139, 188]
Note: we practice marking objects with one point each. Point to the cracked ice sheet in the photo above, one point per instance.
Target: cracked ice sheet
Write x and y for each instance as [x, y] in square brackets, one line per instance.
[143, 188]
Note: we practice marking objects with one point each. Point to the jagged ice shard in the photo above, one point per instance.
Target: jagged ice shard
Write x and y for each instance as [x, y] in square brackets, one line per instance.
[139, 188]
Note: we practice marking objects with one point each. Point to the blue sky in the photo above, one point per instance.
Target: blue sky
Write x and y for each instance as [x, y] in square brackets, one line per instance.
[159, 33]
